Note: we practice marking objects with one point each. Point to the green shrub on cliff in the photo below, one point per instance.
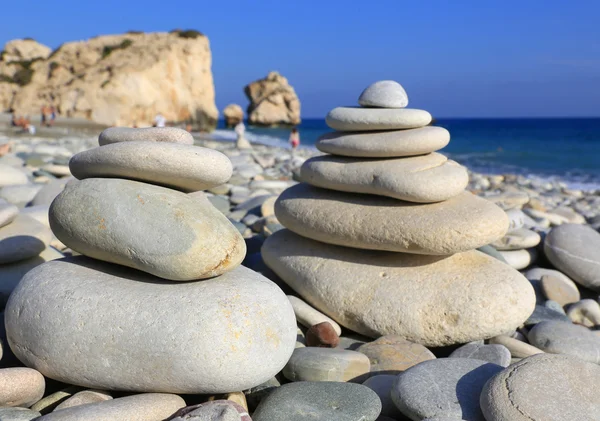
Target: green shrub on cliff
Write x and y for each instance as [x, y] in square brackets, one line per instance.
[23, 76]
[110, 48]
[189, 33]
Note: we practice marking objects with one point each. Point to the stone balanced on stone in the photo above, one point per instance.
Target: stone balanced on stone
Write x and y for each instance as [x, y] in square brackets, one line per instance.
[116, 318]
[381, 234]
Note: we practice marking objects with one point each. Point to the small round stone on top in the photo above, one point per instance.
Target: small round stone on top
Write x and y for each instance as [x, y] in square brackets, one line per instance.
[384, 94]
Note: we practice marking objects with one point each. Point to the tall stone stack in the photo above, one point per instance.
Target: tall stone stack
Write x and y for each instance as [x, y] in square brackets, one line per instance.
[381, 234]
[158, 301]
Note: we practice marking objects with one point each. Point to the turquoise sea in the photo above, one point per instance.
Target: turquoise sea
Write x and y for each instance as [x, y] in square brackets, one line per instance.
[567, 149]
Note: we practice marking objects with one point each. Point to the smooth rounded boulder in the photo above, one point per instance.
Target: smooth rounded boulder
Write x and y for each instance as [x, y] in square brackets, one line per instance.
[384, 94]
[350, 119]
[384, 144]
[575, 250]
[154, 229]
[228, 333]
[147, 134]
[541, 388]
[425, 299]
[423, 179]
[461, 223]
[182, 167]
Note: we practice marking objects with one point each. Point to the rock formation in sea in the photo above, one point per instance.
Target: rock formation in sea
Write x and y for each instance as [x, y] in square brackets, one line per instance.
[273, 102]
[114, 79]
[233, 114]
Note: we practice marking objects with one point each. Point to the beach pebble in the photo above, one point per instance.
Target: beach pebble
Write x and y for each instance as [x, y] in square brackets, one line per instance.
[585, 312]
[509, 200]
[217, 410]
[393, 354]
[371, 119]
[424, 179]
[519, 259]
[384, 94]
[84, 397]
[384, 144]
[572, 216]
[21, 386]
[57, 170]
[326, 401]
[543, 313]
[566, 338]
[322, 335]
[325, 365]
[521, 238]
[516, 219]
[8, 212]
[542, 388]
[49, 192]
[48, 403]
[108, 219]
[560, 289]
[425, 299]
[182, 167]
[443, 387]
[494, 353]
[461, 223]
[491, 251]
[382, 385]
[18, 414]
[575, 250]
[143, 407]
[22, 239]
[216, 332]
[517, 348]
[19, 195]
[149, 134]
[268, 207]
[352, 342]
[10, 176]
[308, 316]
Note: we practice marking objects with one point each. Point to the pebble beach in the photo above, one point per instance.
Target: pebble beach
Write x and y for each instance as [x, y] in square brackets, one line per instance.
[152, 274]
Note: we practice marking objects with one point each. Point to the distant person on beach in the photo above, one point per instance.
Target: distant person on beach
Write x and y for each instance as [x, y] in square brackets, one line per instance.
[241, 142]
[160, 120]
[52, 115]
[43, 113]
[294, 139]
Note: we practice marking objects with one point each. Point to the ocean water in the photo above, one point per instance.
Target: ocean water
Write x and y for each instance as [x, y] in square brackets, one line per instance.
[565, 149]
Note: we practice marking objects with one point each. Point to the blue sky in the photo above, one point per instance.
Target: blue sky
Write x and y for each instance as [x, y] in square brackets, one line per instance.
[454, 58]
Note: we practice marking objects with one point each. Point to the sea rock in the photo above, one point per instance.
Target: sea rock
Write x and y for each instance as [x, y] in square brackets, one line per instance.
[147, 134]
[324, 401]
[423, 179]
[22, 239]
[19, 195]
[322, 335]
[382, 385]
[543, 387]
[83, 398]
[543, 313]
[217, 333]
[575, 250]
[391, 354]
[182, 167]
[8, 213]
[50, 402]
[443, 387]
[350, 119]
[143, 407]
[10, 176]
[560, 289]
[585, 312]
[425, 299]
[509, 200]
[273, 101]
[57, 170]
[385, 144]
[384, 94]
[520, 238]
[21, 386]
[325, 365]
[233, 115]
[461, 223]
[308, 316]
[516, 219]
[517, 348]
[108, 219]
[49, 192]
[565, 338]
[24, 50]
[494, 353]
[18, 414]
[519, 259]
[217, 410]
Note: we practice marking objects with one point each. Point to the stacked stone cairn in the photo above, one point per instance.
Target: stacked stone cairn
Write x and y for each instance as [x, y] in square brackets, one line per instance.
[157, 301]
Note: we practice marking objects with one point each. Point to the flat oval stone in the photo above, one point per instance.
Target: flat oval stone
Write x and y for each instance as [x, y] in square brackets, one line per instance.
[423, 179]
[565, 338]
[144, 407]
[83, 398]
[321, 401]
[382, 385]
[308, 316]
[18, 414]
[157, 230]
[517, 348]
[350, 119]
[585, 312]
[21, 386]
[443, 387]
[575, 250]
[182, 167]
[385, 144]
[148, 134]
[8, 212]
[183, 337]
[425, 299]
[494, 353]
[560, 289]
[518, 239]
[22, 239]
[519, 259]
[10, 176]
[217, 410]
[384, 94]
[326, 365]
[543, 387]
[391, 354]
[461, 223]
